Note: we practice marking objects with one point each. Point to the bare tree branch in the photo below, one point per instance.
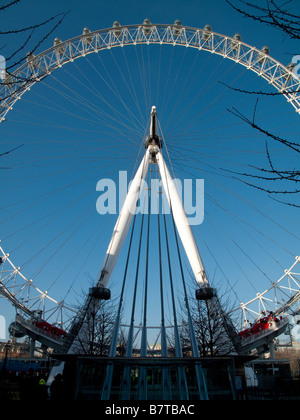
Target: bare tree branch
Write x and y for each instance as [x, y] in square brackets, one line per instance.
[10, 151]
[5, 6]
[271, 15]
[260, 92]
[63, 15]
[292, 145]
[272, 174]
[281, 18]
[55, 21]
[31, 27]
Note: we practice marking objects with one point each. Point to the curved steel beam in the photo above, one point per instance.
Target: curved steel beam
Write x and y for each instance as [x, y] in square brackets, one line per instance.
[38, 67]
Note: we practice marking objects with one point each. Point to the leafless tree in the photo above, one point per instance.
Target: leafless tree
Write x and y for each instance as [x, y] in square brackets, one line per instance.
[31, 36]
[210, 331]
[7, 153]
[122, 343]
[292, 354]
[271, 14]
[97, 329]
[286, 178]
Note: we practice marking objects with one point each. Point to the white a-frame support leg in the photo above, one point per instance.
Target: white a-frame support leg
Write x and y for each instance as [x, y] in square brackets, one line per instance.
[154, 155]
[123, 223]
[181, 222]
[128, 210]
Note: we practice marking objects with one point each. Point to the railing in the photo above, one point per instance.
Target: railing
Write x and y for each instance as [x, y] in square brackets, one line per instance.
[29, 325]
[275, 327]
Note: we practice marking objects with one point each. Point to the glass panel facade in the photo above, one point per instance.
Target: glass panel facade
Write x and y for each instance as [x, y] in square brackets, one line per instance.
[162, 378]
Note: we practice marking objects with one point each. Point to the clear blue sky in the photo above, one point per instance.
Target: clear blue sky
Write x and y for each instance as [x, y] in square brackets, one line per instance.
[51, 188]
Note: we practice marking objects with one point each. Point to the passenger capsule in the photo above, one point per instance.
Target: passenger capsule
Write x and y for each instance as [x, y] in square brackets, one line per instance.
[6, 78]
[207, 32]
[177, 28]
[147, 27]
[31, 60]
[205, 293]
[264, 52]
[87, 37]
[15, 330]
[58, 44]
[290, 67]
[237, 39]
[100, 293]
[1, 260]
[117, 29]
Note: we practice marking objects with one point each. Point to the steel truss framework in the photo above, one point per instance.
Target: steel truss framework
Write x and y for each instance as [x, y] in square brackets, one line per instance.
[22, 293]
[279, 298]
[38, 67]
[28, 298]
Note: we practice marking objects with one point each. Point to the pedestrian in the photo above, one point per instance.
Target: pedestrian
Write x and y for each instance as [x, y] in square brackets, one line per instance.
[57, 388]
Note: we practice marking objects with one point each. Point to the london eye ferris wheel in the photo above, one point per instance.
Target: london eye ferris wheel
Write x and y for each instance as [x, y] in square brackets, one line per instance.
[139, 103]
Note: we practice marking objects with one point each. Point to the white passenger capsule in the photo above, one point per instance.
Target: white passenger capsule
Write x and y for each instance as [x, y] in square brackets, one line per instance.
[87, 37]
[147, 27]
[177, 28]
[117, 29]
